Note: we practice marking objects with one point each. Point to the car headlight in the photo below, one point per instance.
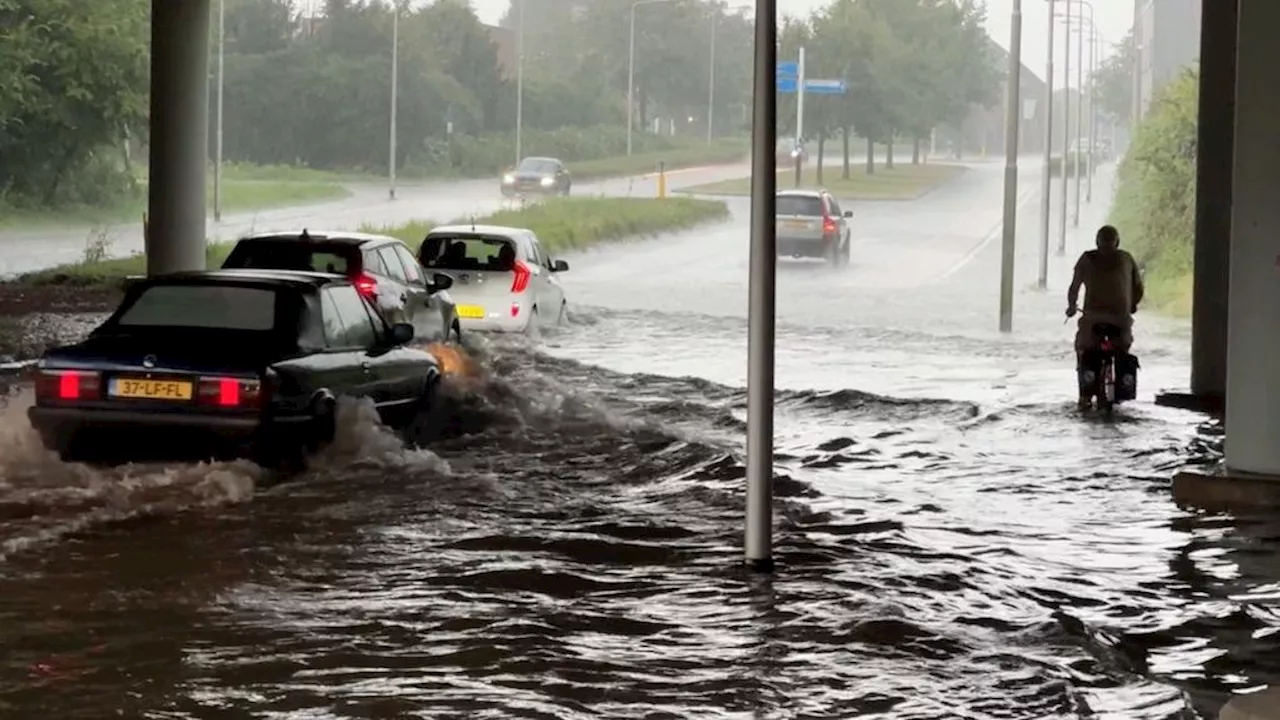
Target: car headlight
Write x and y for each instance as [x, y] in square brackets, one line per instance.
[509, 179]
[547, 182]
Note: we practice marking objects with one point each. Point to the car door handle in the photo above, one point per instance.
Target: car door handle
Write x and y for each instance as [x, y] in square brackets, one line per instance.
[365, 366]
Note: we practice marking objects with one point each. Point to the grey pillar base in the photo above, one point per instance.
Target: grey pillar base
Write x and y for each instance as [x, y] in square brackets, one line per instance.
[1223, 490]
[1214, 404]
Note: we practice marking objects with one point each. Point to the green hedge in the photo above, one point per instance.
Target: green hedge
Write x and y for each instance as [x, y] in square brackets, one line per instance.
[1155, 201]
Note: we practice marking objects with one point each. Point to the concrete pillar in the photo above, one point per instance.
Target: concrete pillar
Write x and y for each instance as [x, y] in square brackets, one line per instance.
[1213, 200]
[179, 135]
[1253, 343]
[1261, 705]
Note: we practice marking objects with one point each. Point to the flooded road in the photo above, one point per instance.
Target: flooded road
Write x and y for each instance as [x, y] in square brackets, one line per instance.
[954, 542]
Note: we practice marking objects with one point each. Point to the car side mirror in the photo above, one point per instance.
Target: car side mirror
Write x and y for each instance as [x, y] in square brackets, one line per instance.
[559, 266]
[401, 334]
[440, 281]
[848, 213]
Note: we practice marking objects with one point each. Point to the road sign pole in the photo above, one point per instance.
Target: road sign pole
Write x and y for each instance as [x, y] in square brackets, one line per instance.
[1012, 122]
[758, 535]
[799, 114]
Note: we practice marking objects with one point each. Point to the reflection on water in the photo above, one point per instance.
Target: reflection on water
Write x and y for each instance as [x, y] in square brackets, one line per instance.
[571, 550]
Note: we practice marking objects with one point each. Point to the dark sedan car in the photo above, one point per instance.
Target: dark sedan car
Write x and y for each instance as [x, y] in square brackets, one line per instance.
[383, 269]
[227, 364]
[537, 176]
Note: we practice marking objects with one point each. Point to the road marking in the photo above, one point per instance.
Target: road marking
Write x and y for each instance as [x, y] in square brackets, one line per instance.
[991, 235]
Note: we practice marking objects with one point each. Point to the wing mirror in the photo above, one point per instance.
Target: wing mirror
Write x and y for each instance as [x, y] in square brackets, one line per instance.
[559, 266]
[401, 334]
[440, 281]
[848, 213]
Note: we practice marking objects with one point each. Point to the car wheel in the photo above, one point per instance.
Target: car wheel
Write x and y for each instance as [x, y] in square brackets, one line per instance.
[424, 426]
[531, 327]
[455, 334]
[563, 317]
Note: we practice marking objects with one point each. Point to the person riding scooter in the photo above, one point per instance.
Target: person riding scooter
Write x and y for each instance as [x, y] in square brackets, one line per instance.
[1113, 289]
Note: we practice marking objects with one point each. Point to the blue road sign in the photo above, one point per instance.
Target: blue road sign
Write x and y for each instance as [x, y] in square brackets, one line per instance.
[812, 87]
[788, 69]
[824, 87]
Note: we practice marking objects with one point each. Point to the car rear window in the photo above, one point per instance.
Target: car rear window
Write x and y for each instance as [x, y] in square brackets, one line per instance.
[212, 307]
[468, 252]
[285, 255]
[799, 205]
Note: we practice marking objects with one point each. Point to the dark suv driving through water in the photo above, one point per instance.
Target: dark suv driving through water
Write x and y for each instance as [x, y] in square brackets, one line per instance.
[537, 176]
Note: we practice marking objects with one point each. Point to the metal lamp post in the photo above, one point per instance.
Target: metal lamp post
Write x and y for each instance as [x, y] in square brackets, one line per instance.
[1010, 224]
[1046, 180]
[520, 82]
[631, 69]
[395, 62]
[217, 152]
[1080, 27]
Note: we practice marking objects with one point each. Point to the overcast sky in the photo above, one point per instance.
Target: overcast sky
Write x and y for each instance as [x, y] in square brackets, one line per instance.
[1114, 17]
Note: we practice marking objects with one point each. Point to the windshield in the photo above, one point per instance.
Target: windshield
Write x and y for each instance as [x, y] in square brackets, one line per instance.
[799, 205]
[206, 307]
[468, 252]
[286, 255]
[537, 165]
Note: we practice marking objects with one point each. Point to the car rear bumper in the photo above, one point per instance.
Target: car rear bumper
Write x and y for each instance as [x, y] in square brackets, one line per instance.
[802, 247]
[135, 435]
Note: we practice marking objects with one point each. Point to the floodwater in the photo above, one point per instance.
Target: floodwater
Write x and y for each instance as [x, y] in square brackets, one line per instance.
[953, 540]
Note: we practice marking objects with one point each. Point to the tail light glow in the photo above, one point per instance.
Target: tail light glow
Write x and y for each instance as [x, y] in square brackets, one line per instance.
[520, 282]
[828, 224]
[367, 285]
[68, 384]
[230, 392]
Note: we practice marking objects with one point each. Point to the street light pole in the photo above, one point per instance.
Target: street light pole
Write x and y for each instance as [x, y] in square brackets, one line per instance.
[761, 320]
[1066, 130]
[1012, 116]
[217, 152]
[631, 69]
[711, 74]
[520, 82]
[1094, 39]
[1084, 4]
[1046, 180]
[395, 62]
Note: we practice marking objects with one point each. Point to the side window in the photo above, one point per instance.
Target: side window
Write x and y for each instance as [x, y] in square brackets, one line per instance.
[373, 263]
[392, 263]
[358, 327]
[543, 258]
[335, 331]
[835, 207]
[411, 270]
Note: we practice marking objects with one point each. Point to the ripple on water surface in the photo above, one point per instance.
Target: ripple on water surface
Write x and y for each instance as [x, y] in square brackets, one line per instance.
[569, 550]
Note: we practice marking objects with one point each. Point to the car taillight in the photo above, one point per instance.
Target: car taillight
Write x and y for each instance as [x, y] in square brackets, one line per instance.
[367, 285]
[828, 224]
[68, 384]
[522, 275]
[229, 392]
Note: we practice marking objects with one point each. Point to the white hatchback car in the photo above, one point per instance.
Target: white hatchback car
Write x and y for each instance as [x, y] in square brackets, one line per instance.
[503, 279]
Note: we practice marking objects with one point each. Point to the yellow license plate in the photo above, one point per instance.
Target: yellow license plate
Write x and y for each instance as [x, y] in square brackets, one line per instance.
[474, 312]
[150, 389]
[798, 224]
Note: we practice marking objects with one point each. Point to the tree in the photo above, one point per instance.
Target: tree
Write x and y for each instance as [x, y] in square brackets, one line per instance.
[75, 78]
[1113, 82]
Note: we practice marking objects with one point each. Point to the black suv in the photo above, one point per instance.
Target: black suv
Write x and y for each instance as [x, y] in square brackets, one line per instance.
[383, 269]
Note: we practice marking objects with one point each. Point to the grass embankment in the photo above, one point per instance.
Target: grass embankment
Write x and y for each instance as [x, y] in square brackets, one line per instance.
[902, 182]
[1155, 201]
[561, 224]
[244, 188]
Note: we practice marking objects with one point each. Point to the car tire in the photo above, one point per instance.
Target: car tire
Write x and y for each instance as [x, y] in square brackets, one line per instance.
[563, 317]
[455, 334]
[423, 426]
[531, 327]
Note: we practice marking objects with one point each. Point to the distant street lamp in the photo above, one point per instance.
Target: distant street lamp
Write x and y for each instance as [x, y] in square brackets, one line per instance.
[217, 152]
[395, 62]
[631, 69]
[519, 80]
